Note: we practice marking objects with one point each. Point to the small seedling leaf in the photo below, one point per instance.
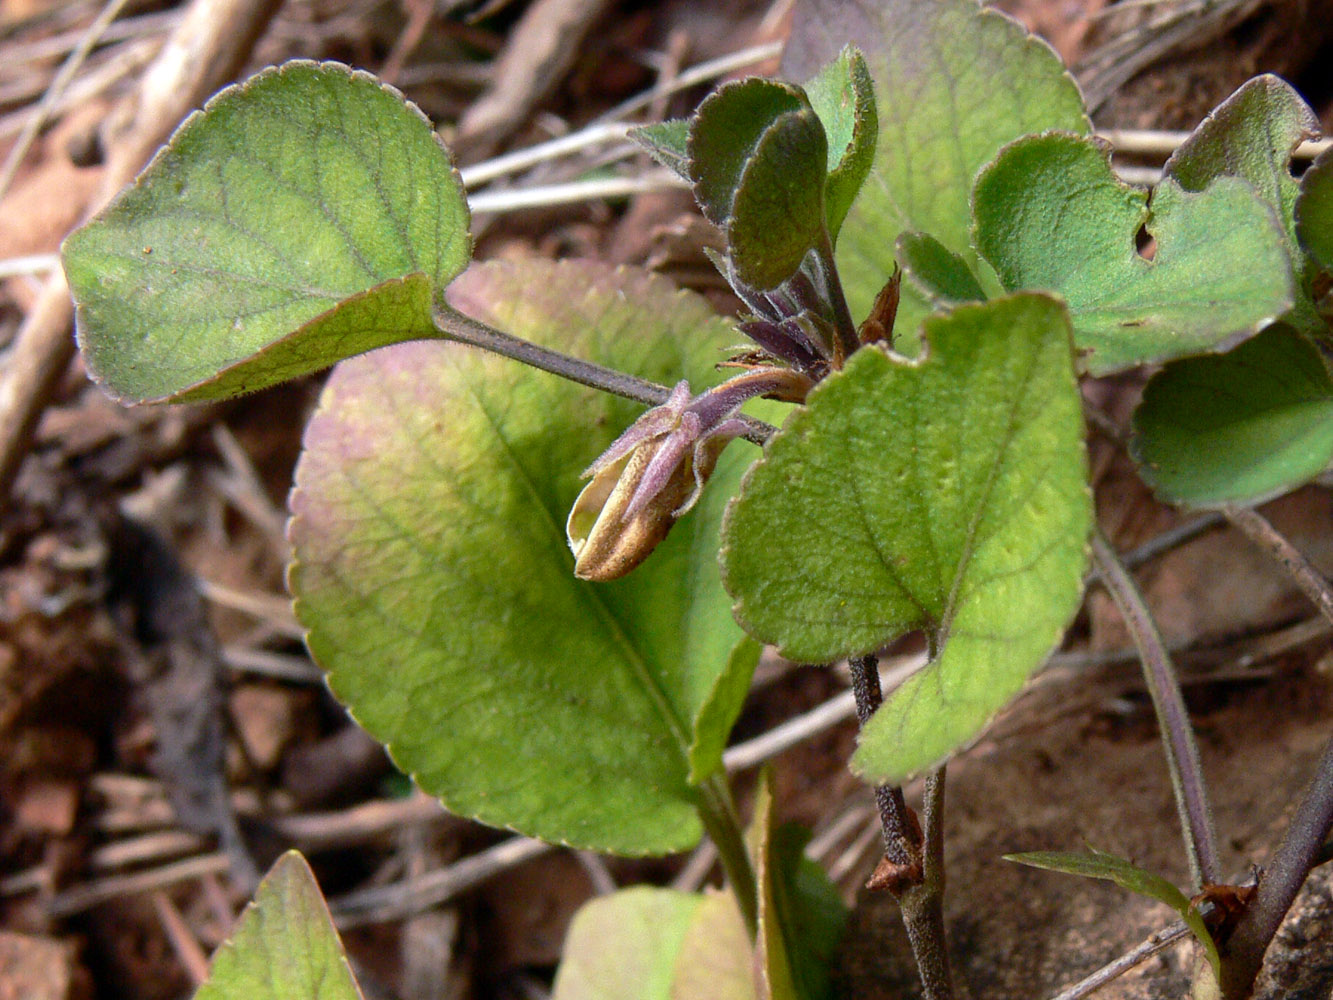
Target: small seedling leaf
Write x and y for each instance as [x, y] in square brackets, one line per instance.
[284, 946]
[1252, 136]
[935, 129]
[777, 214]
[948, 494]
[304, 216]
[1051, 215]
[937, 272]
[1314, 212]
[667, 143]
[1239, 427]
[433, 572]
[843, 95]
[801, 916]
[625, 946]
[724, 134]
[1127, 875]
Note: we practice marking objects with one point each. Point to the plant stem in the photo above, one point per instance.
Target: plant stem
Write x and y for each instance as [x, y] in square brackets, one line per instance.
[1303, 842]
[843, 323]
[920, 898]
[1182, 753]
[923, 904]
[717, 809]
[453, 325]
[1282, 879]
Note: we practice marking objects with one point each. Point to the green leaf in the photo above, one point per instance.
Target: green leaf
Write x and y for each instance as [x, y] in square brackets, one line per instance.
[936, 272]
[1252, 136]
[716, 959]
[284, 946]
[1314, 211]
[843, 96]
[777, 216]
[1239, 427]
[948, 494]
[304, 216]
[667, 143]
[1127, 875]
[953, 83]
[758, 157]
[625, 946]
[1051, 215]
[801, 917]
[720, 709]
[433, 573]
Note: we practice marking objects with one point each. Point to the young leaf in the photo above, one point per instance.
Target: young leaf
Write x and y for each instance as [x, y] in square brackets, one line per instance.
[1238, 427]
[720, 709]
[667, 143]
[284, 946]
[936, 129]
[1127, 875]
[433, 573]
[1314, 211]
[938, 273]
[303, 216]
[843, 96]
[1252, 135]
[801, 917]
[1051, 215]
[758, 157]
[624, 946]
[950, 495]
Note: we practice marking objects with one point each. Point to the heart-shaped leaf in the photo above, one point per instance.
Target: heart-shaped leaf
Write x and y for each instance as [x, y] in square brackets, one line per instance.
[284, 946]
[1127, 875]
[843, 96]
[949, 495]
[304, 216]
[1051, 215]
[1238, 427]
[625, 946]
[1314, 211]
[433, 573]
[1252, 135]
[759, 157]
[936, 128]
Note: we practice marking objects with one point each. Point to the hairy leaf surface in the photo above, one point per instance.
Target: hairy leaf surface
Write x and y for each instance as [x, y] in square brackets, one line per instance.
[433, 572]
[949, 495]
[1051, 215]
[304, 216]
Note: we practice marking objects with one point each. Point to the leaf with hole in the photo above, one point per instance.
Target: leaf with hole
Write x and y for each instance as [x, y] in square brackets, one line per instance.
[304, 216]
[1051, 215]
[1239, 427]
[284, 946]
[947, 494]
[935, 129]
[1127, 875]
[1252, 136]
[433, 573]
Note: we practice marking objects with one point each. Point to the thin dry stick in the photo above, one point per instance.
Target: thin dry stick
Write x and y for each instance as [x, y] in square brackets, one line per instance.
[1112, 970]
[54, 92]
[183, 942]
[211, 43]
[1182, 753]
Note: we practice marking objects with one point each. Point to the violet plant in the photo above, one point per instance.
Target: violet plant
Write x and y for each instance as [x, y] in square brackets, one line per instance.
[929, 261]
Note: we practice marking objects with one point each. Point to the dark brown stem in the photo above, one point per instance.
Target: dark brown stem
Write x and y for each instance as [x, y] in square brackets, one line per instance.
[917, 857]
[1182, 753]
